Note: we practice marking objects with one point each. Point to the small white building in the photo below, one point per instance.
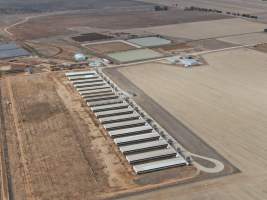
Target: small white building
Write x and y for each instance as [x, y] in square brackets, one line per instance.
[79, 57]
[186, 61]
[98, 62]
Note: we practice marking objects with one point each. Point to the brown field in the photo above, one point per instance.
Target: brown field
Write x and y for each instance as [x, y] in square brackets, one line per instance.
[208, 29]
[62, 24]
[53, 154]
[91, 37]
[109, 47]
[224, 104]
[261, 47]
[173, 48]
[55, 148]
[246, 39]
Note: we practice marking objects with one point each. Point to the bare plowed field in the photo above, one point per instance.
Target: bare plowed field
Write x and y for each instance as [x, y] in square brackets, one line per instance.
[224, 104]
[114, 20]
[53, 150]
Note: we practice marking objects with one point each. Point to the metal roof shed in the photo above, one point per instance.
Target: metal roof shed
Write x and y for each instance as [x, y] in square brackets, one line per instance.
[114, 112]
[83, 85]
[82, 77]
[80, 73]
[159, 165]
[109, 107]
[104, 102]
[101, 86]
[98, 95]
[120, 118]
[87, 81]
[97, 91]
[101, 98]
[136, 138]
[125, 124]
[131, 131]
[141, 147]
[150, 155]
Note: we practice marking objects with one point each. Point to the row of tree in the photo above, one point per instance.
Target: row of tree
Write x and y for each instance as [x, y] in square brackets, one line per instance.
[193, 8]
[161, 8]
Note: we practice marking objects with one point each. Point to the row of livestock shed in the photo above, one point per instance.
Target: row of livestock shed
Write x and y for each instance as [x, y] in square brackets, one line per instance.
[143, 147]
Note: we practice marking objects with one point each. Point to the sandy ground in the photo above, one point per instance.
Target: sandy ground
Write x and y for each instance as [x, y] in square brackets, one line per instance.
[223, 103]
[247, 39]
[261, 47]
[208, 29]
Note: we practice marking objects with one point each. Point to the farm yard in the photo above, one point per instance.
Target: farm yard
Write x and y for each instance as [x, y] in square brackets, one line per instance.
[133, 100]
[56, 149]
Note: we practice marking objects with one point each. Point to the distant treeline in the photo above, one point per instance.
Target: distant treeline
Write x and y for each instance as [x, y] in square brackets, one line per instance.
[160, 8]
[193, 8]
[8, 11]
